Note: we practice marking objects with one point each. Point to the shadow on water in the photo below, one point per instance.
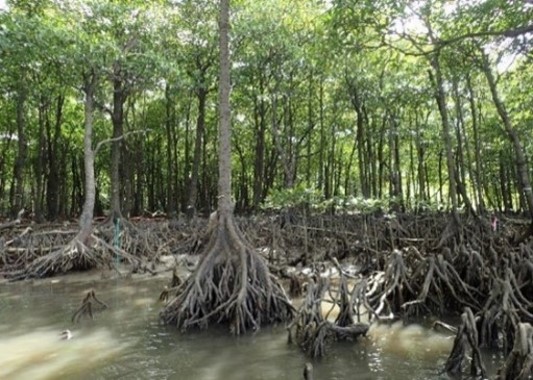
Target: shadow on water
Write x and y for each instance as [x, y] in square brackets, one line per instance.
[127, 341]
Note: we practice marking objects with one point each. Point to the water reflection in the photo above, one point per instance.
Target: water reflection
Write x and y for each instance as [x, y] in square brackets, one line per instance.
[126, 341]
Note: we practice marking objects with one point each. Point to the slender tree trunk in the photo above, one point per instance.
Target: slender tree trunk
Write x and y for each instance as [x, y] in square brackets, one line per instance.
[186, 181]
[420, 154]
[287, 163]
[524, 181]
[440, 97]
[478, 173]
[322, 147]
[259, 160]
[86, 218]
[225, 205]
[360, 137]
[39, 161]
[310, 126]
[54, 181]
[197, 154]
[117, 117]
[17, 190]
[171, 193]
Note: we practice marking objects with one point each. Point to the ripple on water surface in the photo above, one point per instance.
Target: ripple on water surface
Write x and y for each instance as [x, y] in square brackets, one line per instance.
[126, 341]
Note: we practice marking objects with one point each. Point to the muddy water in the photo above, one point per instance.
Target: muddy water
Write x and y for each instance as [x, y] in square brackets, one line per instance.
[126, 341]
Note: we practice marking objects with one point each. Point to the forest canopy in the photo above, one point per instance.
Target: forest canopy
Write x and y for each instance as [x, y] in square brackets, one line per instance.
[341, 103]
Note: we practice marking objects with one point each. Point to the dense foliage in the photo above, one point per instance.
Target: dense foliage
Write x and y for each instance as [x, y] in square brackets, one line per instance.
[343, 103]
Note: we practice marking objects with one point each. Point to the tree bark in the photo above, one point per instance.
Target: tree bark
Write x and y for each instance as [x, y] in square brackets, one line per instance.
[478, 174]
[524, 181]
[86, 218]
[200, 131]
[225, 205]
[17, 189]
[53, 183]
[117, 117]
[440, 97]
[259, 160]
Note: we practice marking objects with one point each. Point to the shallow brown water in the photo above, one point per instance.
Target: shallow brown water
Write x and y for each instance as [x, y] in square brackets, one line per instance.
[126, 341]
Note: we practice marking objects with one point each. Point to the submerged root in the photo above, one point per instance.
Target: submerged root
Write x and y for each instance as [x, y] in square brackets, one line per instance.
[519, 363]
[88, 304]
[465, 344]
[231, 285]
[312, 331]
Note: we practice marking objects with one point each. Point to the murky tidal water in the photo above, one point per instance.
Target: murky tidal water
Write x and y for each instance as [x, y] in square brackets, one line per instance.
[127, 341]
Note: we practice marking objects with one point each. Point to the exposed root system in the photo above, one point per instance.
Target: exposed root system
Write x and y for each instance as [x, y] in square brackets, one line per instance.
[312, 330]
[407, 266]
[519, 363]
[231, 285]
[466, 344]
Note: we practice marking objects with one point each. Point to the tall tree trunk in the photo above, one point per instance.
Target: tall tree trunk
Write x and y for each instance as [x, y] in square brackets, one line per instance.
[356, 100]
[396, 192]
[117, 117]
[259, 160]
[225, 205]
[171, 192]
[186, 179]
[440, 96]
[420, 154]
[40, 160]
[285, 154]
[17, 189]
[322, 143]
[478, 173]
[524, 181]
[54, 181]
[197, 154]
[242, 291]
[461, 162]
[86, 218]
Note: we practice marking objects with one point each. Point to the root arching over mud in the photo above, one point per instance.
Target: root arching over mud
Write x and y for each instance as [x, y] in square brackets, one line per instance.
[407, 266]
[231, 285]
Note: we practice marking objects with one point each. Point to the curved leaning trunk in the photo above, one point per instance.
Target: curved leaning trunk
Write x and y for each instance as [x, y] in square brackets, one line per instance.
[524, 181]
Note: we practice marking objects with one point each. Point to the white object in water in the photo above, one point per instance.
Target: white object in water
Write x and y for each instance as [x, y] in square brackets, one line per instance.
[66, 335]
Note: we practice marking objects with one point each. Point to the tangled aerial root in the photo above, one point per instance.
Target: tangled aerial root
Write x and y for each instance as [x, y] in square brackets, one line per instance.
[231, 285]
[312, 331]
[466, 345]
[75, 255]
